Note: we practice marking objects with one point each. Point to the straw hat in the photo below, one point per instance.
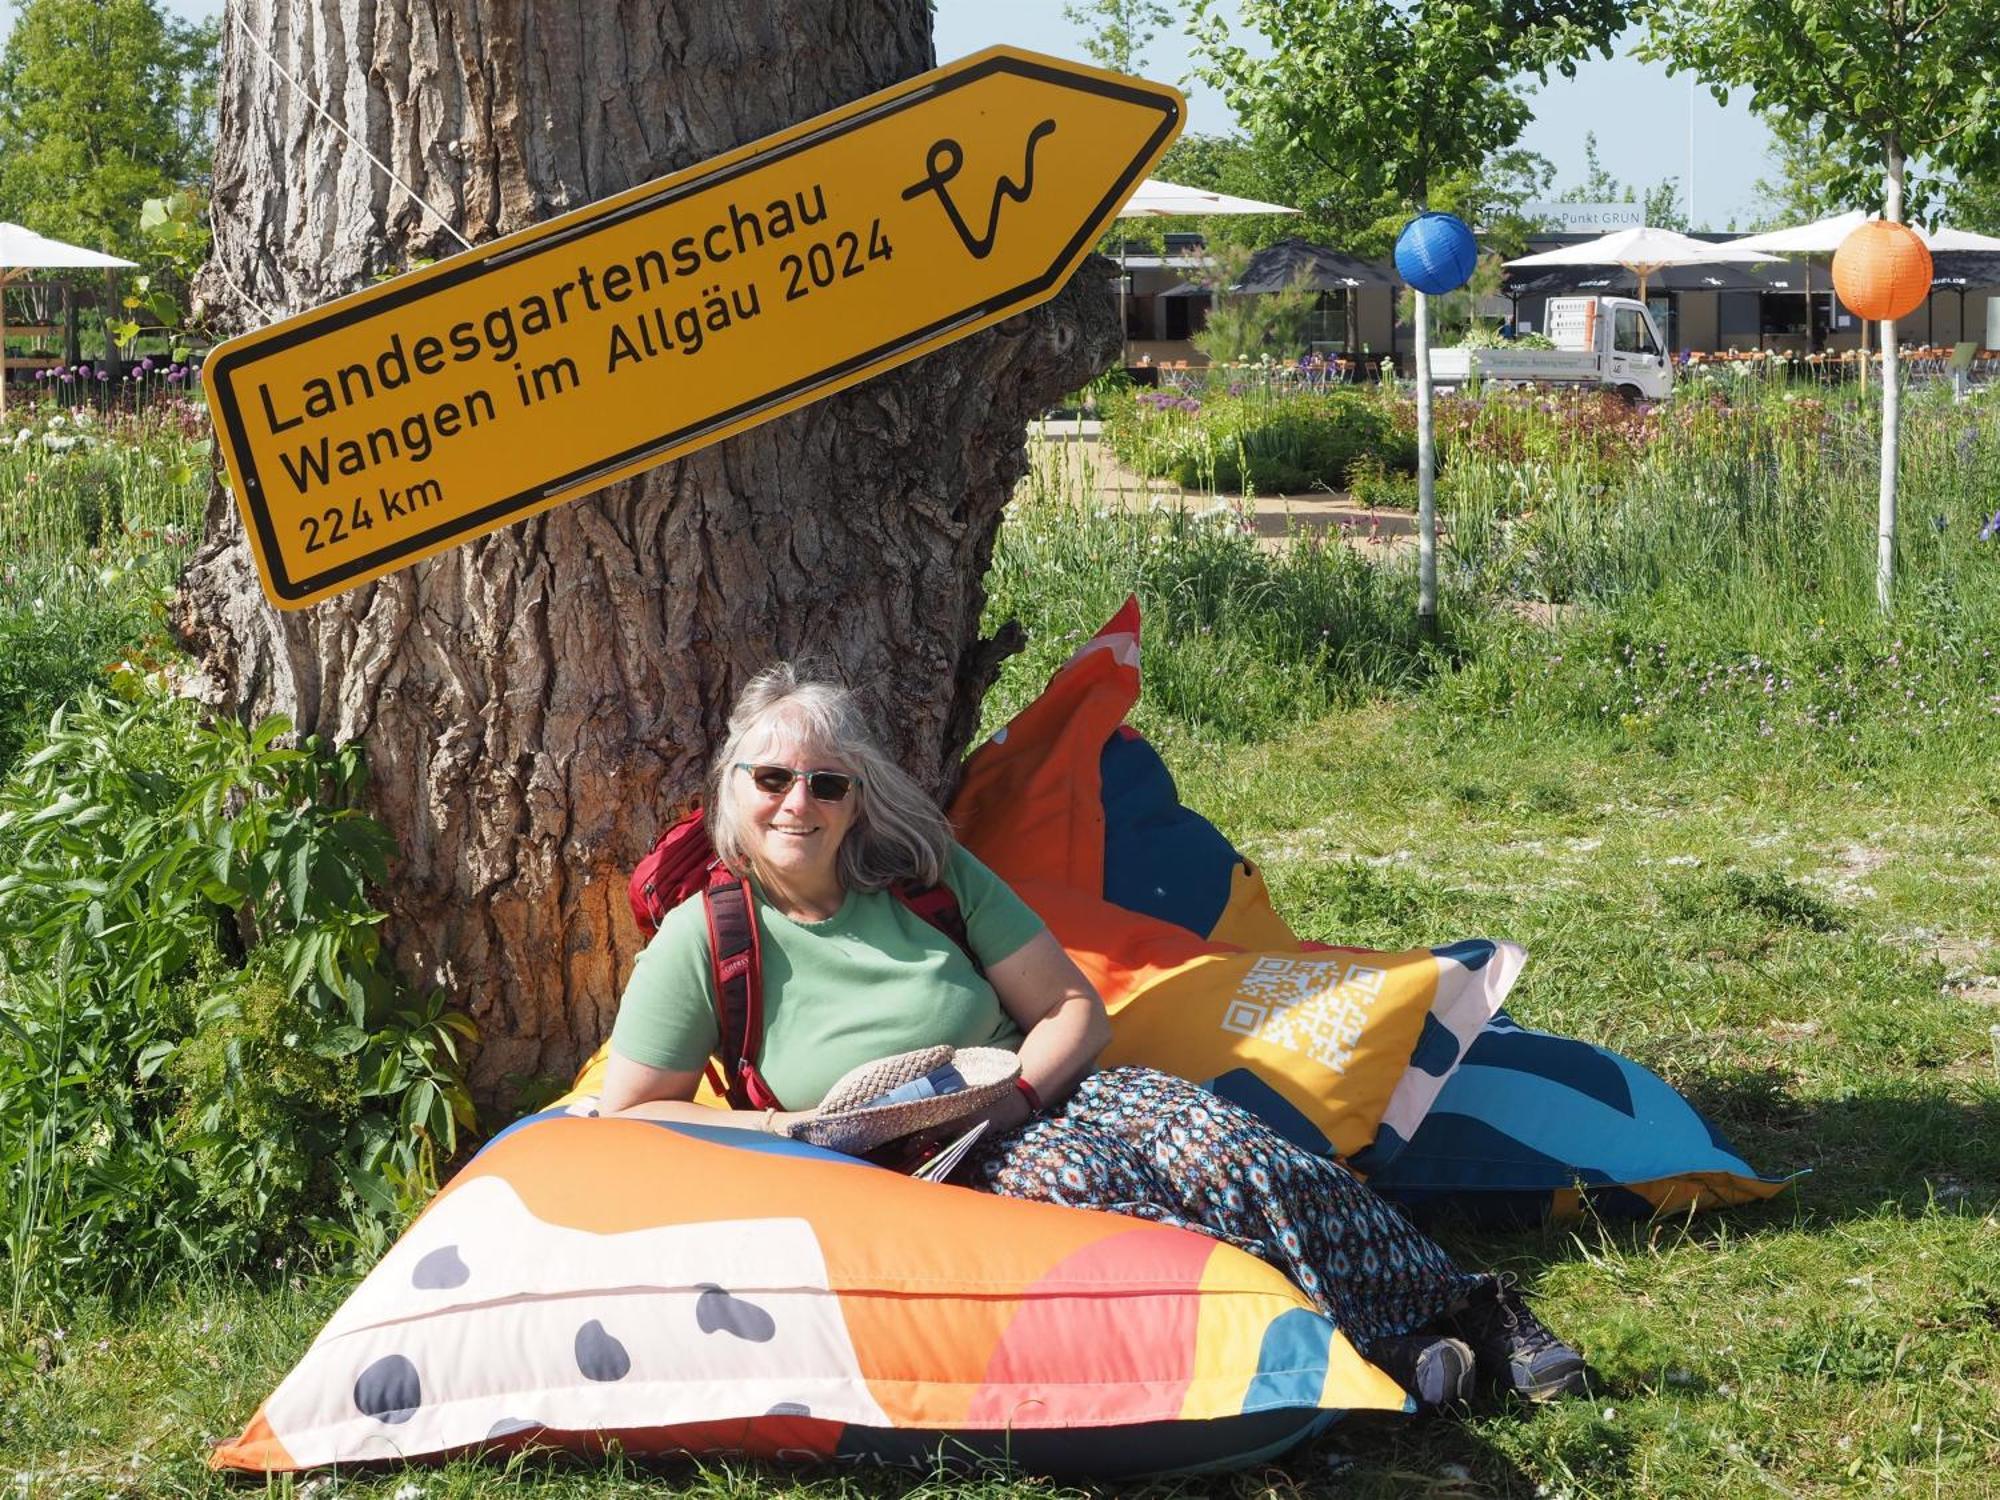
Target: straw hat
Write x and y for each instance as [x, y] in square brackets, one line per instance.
[844, 1122]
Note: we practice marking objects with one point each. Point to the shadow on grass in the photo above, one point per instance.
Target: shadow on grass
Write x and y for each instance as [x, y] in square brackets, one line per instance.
[1363, 1456]
[1903, 1145]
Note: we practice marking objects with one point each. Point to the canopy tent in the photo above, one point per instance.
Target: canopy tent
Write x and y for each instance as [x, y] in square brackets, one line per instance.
[1314, 268]
[1964, 271]
[24, 250]
[1620, 282]
[1645, 252]
[1824, 236]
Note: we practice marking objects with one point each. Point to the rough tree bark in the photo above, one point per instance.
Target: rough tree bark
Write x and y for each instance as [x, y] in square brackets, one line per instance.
[535, 702]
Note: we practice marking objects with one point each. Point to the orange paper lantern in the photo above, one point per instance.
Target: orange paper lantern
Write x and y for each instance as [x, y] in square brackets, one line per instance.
[1882, 271]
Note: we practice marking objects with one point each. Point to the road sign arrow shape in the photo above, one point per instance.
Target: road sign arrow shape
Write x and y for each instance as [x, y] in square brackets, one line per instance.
[408, 418]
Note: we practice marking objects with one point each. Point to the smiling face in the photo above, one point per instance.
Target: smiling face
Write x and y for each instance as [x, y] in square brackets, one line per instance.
[793, 839]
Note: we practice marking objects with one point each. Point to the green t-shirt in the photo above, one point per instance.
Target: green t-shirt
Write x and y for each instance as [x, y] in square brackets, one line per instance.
[872, 980]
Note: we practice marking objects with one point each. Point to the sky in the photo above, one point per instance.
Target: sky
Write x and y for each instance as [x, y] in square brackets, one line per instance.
[1640, 115]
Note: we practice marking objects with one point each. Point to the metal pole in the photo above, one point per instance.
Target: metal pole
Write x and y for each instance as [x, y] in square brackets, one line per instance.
[1124, 343]
[1691, 104]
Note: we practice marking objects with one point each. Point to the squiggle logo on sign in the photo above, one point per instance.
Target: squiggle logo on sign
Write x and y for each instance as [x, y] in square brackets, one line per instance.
[1314, 1006]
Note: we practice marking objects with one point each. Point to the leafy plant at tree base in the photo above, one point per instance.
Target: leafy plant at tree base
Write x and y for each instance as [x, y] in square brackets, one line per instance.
[208, 1055]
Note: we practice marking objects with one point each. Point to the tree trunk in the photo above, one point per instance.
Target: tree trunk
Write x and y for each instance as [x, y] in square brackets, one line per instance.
[534, 703]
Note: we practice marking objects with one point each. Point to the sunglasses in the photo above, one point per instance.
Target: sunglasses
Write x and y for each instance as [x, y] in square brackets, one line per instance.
[821, 786]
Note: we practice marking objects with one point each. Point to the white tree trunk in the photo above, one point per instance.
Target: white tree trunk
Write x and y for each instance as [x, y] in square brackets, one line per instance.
[1427, 557]
[534, 703]
[1892, 401]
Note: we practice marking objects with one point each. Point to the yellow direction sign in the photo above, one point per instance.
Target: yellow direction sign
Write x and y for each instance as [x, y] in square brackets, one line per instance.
[405, 419]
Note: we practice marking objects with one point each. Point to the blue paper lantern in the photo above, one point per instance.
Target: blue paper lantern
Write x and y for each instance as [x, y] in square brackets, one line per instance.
[1435, 253]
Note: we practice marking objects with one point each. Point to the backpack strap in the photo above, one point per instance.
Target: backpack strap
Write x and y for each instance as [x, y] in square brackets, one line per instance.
[937, 905]
[736, 967]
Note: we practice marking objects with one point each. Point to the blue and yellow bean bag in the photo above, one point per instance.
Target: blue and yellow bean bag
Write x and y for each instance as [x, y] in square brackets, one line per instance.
[1403, 1063]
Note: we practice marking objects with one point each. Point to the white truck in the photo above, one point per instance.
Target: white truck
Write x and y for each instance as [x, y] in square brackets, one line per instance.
[1609, 341]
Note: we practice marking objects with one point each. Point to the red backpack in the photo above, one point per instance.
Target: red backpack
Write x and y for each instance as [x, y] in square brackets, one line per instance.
[683, 863]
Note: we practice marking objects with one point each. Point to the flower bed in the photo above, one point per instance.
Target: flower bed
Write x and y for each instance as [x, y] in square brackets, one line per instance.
[1275, 442]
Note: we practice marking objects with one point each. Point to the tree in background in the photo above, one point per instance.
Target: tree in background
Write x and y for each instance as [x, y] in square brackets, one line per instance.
[1808, 181]
[1882, 84]
[103, 105]
[1277, 325]
[1115, 32]
[1974, 204]
[1393, 101]
[1661, 204]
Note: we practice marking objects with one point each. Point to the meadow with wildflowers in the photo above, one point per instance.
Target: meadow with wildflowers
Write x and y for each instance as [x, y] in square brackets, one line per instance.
[1747, 828]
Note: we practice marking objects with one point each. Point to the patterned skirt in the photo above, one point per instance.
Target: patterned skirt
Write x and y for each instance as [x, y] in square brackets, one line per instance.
[1134, 1141]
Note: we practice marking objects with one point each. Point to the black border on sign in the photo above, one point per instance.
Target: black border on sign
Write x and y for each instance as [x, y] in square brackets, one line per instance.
[227, 367]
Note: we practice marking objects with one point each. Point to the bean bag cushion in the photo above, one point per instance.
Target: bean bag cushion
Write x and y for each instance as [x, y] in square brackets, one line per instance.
[1534, 1126]
[681, 1288]
[1346, 1048]
[1073, 804]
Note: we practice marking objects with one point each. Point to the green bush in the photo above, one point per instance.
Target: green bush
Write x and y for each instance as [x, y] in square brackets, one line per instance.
[1241, 643]
[1271, 442]
[207, 1054]
[63, 625]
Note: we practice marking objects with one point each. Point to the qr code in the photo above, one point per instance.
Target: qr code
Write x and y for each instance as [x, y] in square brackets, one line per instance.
[1315, 1007]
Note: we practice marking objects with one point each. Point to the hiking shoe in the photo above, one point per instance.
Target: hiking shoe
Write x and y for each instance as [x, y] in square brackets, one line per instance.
[1435, 1369]
[1514, 1351]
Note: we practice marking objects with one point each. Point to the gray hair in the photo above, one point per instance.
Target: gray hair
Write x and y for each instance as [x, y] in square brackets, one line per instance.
[898, 831]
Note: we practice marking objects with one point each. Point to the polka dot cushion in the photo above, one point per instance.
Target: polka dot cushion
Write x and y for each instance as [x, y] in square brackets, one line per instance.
[693, 1289]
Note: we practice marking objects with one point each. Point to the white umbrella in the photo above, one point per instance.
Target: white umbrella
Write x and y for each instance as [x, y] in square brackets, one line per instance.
[1958, 241]
[1644, 251]
[1824, 236]
[1154, 199]
[1821, 237]
[24, 250]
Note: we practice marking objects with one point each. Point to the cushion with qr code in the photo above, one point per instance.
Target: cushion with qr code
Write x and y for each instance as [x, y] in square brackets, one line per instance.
[1401, 1062]
[1342, 1049]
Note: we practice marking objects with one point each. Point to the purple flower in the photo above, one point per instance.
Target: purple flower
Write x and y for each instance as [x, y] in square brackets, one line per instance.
[1991, 529]
[103, 374]
[82, 369]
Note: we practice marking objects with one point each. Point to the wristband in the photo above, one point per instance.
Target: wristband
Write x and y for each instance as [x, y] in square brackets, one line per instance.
[1027, 1091]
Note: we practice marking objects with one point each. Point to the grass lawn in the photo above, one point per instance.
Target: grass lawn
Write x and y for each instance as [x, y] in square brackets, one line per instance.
[1748, 833]
[1812, 963]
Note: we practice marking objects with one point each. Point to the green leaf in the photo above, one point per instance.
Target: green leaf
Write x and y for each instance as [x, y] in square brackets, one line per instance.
[298, 878]
[341, 1041]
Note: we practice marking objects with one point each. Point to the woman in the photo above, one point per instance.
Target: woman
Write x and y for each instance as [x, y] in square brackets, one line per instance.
[804, 801]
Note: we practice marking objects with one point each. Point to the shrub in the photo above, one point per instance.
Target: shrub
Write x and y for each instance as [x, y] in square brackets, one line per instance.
[1272, 442]
[208, 1054]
